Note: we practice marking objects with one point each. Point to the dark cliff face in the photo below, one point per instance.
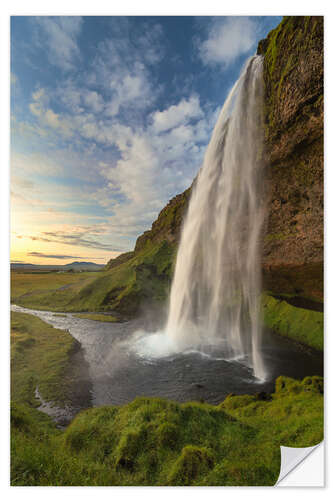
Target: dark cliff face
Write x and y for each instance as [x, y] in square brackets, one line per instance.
[293, 74]
[293, 240]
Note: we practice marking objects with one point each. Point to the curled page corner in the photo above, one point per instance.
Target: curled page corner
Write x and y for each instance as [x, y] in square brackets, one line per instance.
[291, 458]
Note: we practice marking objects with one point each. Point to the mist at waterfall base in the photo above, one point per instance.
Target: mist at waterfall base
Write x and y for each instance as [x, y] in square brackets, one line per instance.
[214, 307]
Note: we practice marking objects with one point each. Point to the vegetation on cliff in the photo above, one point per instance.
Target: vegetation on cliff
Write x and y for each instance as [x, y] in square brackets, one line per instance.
[303, 325]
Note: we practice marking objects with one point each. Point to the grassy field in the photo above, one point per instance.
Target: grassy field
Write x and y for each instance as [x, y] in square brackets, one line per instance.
[40, 355]
[49, 291]
[157, 442]
[32, 282]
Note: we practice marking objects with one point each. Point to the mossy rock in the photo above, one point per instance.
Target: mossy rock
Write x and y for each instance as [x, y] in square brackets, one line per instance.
[286, 385]
[232, 401]
[303, 325]
[314, 384]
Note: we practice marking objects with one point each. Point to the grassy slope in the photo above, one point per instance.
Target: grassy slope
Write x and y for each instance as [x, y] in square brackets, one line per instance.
[145, 277]
[40, 355]
[292, 417]
[156, 442]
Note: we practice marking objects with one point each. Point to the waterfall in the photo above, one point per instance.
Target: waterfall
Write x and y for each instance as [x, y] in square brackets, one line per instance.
[215, 293]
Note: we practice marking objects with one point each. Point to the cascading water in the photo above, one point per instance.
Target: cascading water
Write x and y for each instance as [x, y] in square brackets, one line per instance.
[215, 294]
[216, 287]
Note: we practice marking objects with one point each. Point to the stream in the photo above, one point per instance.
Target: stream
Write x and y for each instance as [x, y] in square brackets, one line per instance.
[108, 371]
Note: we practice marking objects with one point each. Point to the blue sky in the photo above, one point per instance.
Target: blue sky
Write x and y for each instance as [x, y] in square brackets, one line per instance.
[110, 118]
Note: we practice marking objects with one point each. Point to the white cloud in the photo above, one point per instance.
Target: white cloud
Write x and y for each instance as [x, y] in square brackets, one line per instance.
[122, 68]
[71, 96]
[60, 35]
[52, 118]
[176, 114]
[227, 39]
[153, 166]
[47, 116]
[135, 173]
[94, 101]
[129, 88]
[39, 101]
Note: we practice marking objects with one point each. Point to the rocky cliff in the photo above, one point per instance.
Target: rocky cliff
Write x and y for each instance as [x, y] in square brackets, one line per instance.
[293, 73]
[293, 240]
[166, 229]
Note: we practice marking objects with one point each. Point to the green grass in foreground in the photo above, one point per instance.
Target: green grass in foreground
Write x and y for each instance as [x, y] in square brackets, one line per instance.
[40, 355]
[302, 325]
[97, 317]
[157, 442]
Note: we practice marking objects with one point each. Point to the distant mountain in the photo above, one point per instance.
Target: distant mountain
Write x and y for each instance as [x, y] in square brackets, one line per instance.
[83, 265]
[75, 266]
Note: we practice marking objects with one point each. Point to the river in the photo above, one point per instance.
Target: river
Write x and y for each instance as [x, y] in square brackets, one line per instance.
[117, 374]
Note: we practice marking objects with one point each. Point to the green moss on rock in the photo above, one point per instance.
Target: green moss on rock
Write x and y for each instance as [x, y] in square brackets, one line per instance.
[303, 325]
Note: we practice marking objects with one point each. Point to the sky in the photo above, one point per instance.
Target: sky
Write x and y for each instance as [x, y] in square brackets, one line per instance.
[110, 118]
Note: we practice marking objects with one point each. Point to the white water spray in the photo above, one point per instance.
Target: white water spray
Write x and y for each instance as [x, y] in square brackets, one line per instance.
[215, 294]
